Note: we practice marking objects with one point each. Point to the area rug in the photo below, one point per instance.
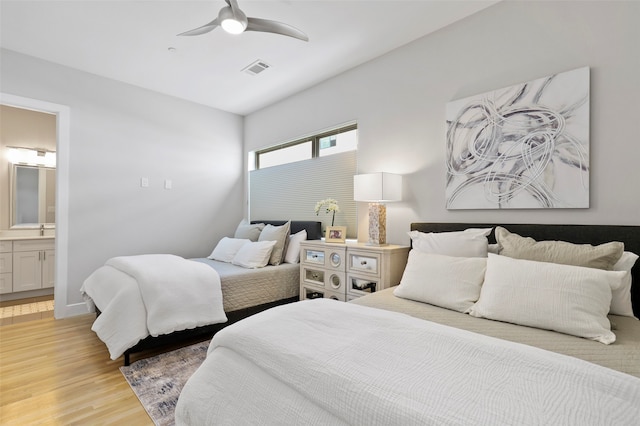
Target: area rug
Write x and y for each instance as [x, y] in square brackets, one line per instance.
[158, 381]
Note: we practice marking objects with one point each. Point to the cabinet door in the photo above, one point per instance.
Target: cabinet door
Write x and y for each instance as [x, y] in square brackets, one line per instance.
[48, 268]
[27, 270]
[6, 283]
[6, 263]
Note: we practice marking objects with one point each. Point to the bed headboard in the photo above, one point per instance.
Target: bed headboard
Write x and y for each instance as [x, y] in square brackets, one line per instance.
[579, 234]
[314, 229]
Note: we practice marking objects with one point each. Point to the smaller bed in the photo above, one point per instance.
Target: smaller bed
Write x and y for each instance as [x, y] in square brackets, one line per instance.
[122, 320]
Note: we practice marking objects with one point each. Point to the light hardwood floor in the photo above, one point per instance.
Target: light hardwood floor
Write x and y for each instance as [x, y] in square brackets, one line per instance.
[57, 372]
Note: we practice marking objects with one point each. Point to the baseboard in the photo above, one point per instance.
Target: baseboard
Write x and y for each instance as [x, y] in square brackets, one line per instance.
[72, 310]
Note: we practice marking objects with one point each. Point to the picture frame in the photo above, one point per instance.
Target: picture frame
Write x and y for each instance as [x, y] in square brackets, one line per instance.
[336, 234]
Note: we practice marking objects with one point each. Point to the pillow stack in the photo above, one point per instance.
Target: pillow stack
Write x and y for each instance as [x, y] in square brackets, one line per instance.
[256, 245]
[554, 285]
[609, 257]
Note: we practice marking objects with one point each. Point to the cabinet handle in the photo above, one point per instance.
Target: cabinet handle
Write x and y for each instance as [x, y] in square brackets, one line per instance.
[363, 262]
[44, 255]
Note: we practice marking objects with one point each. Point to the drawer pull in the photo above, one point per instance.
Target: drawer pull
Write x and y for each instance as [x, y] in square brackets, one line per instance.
[365, 263]
[317, 276]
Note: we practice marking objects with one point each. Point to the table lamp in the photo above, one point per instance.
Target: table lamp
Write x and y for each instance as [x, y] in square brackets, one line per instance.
[377, 189]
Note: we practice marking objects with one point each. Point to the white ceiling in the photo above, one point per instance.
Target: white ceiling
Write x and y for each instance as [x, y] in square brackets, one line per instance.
[129, 41]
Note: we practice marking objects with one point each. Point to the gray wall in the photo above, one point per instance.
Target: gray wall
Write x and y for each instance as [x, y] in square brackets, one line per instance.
[399, 103]
[120, 133]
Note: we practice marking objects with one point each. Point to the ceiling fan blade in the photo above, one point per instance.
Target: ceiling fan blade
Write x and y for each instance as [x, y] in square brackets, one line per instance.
[201, 30]
[268, 26]
[233, 4]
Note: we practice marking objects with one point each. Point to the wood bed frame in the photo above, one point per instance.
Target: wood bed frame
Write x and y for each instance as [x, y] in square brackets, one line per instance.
[578, 234]
[314, 232]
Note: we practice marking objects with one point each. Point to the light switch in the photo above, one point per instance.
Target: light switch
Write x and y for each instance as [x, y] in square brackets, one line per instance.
[144, 182]
[168, 184]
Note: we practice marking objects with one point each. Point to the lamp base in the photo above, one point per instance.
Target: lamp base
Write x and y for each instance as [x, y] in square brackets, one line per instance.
[377, 224]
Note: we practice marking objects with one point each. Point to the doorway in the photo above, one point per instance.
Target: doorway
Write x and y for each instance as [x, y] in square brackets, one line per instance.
[62, 137]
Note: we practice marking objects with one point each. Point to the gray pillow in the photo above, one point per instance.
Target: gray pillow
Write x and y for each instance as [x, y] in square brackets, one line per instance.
[249, 231]
[279, 234]
[603, 256]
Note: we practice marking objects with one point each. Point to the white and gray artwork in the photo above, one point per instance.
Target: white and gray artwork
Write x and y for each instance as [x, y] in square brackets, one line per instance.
[521, 147]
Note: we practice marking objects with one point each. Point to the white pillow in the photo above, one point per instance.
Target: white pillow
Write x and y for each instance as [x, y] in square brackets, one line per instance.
[254, 254]
[621, 298]
[227, 248]
[293, 249]
[446, 281]
[570, 299]
[471, 242]
[279, 234]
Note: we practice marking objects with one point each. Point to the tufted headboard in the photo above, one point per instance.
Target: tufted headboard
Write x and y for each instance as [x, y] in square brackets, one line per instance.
[578, 234]
[314, 229]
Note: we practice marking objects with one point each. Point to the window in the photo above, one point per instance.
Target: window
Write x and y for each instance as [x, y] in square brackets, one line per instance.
[290, 179]
[285, 154]
[328, 143]
[346, 140]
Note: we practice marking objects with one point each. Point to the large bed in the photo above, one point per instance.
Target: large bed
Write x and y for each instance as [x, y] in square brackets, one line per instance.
[124, 320]
[385, 359]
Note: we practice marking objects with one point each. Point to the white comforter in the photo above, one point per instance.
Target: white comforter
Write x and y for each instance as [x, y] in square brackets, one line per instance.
[151, 295]
[326, 362]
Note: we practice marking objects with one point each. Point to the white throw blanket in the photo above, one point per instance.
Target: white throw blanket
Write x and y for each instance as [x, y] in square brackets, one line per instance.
[363, 365]
[152, 295]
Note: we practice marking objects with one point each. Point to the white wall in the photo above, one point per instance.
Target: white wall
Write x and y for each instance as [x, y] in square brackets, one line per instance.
[118, 134]
[399, 102]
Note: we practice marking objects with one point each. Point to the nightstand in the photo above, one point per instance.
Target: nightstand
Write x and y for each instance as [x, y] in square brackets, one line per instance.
[347, 271]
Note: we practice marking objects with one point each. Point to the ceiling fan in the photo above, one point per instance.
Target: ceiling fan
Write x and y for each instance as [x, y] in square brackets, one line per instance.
[234, 21]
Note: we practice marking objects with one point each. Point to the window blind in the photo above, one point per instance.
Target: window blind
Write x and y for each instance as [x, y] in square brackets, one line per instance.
[291, 191]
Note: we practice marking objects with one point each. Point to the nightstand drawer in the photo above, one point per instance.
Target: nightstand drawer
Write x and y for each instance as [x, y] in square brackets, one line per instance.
[368, 263]
[359, 286]
[327, 257]
[313, 256]
[313, 293]
[313, 276]
[330, 280]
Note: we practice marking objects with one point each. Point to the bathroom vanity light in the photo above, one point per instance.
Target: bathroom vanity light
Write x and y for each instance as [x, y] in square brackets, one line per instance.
[32, 157]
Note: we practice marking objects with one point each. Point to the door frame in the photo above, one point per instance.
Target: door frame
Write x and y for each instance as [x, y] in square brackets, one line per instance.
[63, 135]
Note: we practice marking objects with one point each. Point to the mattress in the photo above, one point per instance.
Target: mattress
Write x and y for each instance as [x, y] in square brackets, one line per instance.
[244, 288]
[623, 355]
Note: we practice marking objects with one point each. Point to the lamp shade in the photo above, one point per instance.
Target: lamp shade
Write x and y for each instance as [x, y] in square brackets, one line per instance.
[377, 187]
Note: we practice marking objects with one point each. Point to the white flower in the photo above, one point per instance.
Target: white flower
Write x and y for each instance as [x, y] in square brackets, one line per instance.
[330, 205]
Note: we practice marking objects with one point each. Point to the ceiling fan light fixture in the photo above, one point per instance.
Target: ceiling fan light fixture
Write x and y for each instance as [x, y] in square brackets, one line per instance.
[233, 23]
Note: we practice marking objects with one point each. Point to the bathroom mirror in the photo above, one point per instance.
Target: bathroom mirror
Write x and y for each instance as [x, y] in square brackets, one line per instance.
[33, 196]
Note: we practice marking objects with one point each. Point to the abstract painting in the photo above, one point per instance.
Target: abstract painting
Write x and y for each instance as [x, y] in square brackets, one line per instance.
[522, 147]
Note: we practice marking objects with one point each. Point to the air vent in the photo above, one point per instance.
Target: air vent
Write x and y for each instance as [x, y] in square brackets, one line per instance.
[256, 68]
